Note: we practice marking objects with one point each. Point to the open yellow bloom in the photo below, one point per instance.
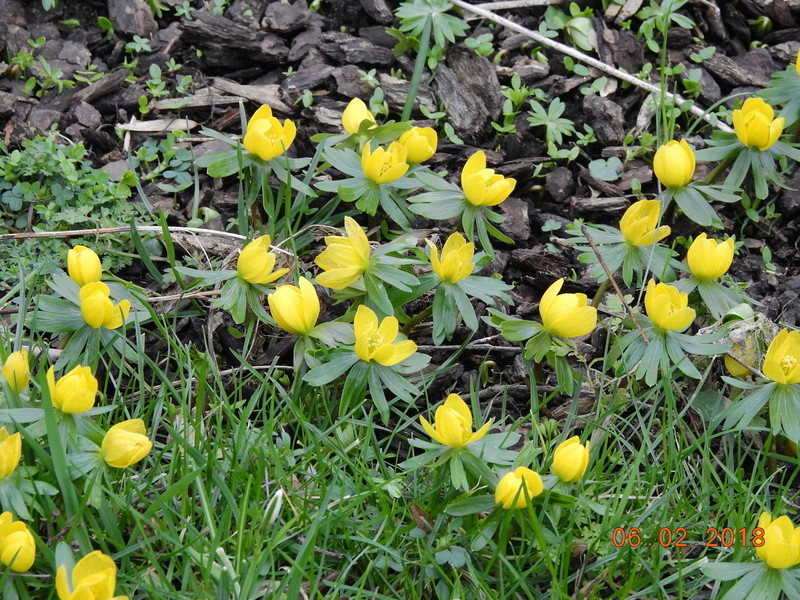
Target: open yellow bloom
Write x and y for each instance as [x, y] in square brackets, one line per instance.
[674, 164]
[295, 309]
[570, 460]
[782, 362]
[456, 262]
[75, 392]
[10, 452]
[126, 443]
[376, 341]
[16, 371]
[667, 307]
[522, 484]
[638, 224]
[482, 186]
[256, 262]
[567, 315]
[93, 577]
[453, 424]
[266, 137]
[709, 259]
[755, 124]
[420, 142]
[97, 308]
[355, 114]
[384, 165]
[83, 265]
[781, 548]
[17, 546]
[345, 258]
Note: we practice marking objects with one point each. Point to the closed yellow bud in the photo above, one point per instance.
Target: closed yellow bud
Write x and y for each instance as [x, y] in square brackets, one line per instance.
[266, 137]
[420, 142]
[570, 460]
[453, 424]
[781, 548]
[376, 341]
[456, 262]
[17, 546]
[93, 577]
[638, 224]
[125, 444]
[10, 452]
[782, 361]
[345, 258]
[567, 315]
[674, 164]
[83, 265]
[355, 114]
[384, 165]
[515, 488]
[709, 259]
[797, 62]
[256, 262]
[295, 309]
[75, 392]
[482, 186]
[667, 307]
[97, 308]
[755, 124]
[16, 371]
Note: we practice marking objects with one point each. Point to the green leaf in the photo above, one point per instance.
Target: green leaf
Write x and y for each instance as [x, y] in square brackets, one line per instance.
[471, 506]
[335, 367]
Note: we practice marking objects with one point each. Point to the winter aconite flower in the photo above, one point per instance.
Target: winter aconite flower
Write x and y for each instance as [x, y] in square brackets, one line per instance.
[709, 259]
[567, 315]
[126, 443]
[355, 114]
[17, 546]
[384, 165]
[570, 460]
[420, 143]
[10, 452]
[256, 262]
[266, 137]
[97, 308]
[456, 261]
[295, 309]
[755, 124]
[482, 186]
[782, 362]
[16, 371]
[376, 341]
[515, 488]
[667, 307]
[674, 164]
[781, 548]
[345, 258]
[75, 392]
[452, 424]
[93, 577]
[83, 265]
[638, 224]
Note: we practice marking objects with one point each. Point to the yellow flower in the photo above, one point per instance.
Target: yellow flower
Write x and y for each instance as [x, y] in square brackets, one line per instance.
[83, 265]
[511, 485]
[125, 444]
[797, 62]
[266, 137]
[295, 309]
[97, 308]
[355, 113]
[345, 258]
[16, 371]
[75, 392]
[256, 262]
[453, 424]
[638, 224]
[384, 165]
[17, 546]
[674, 164]
[782, 362]
[375, 341]
[420, 142]
[456, 262]
[10, 452]
[755, 124]
[482, 186]
[93, 577]
[667, 307]
[709, 259]
[567, 315]
[570, 459]
[734, 367]
[781, 548]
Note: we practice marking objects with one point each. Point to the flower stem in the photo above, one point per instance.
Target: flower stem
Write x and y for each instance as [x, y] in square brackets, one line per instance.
[601, 291]
[419, 67]
[416, 320]
[717, 170]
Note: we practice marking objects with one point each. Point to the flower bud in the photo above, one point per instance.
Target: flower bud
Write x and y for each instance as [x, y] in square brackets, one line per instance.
[83, 265]
[709, 259]
[355, 113]
[570, 460]
[755, 124]
[520, 484]
[567, 315]
[93, 577]
[16, 371]
[384, 165]
[17, 546]
[674, 164]
[256, 262]
[638, 224]
[420, 142]
[75, 392]
[125, 444]
[295, 309]
[668, 307]
[10, 452]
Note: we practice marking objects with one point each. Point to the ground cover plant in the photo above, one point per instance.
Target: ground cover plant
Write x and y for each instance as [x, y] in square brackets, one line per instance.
[402, 332]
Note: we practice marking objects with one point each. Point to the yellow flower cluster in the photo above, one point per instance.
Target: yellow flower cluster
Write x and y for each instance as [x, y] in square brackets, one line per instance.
[97, 309]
